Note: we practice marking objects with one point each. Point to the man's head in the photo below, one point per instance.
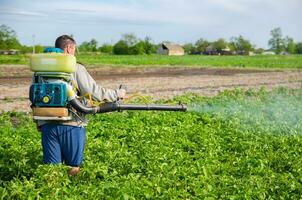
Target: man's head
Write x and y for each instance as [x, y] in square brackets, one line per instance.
[66, 43]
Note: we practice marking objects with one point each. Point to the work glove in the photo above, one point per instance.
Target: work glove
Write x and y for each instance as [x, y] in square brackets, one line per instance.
[121, 92]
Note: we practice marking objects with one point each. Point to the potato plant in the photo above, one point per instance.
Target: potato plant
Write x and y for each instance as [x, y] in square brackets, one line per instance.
[237, 145]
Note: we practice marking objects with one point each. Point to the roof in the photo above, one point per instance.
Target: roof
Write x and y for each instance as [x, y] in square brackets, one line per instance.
[173, 47]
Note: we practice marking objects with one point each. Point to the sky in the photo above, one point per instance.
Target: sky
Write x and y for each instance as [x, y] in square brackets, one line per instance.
[179, 21]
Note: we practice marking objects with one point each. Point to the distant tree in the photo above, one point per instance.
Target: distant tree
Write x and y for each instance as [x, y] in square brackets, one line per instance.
[259, 51]
[189, 48]
[93, 45]
[290, 45]
[121, 48]
[130, 39]
[220, 44]
[148, 46]
[90, 46]
[240, 45]
[106, 48]
[299, 48]
[201, 46]
[156, 47]
[26, 49]
[129, 44]
[39, 49]
[84, 47]
[138, 48]
[276, 43]
[8, 38]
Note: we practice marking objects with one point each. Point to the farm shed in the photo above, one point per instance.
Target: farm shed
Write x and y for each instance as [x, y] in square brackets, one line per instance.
[171, 50]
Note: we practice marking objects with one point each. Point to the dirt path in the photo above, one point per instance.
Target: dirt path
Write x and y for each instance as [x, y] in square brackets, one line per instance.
[156, 82]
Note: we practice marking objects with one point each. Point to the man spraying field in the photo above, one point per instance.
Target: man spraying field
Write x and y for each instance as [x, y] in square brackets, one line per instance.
[64, 141]
[62, 93]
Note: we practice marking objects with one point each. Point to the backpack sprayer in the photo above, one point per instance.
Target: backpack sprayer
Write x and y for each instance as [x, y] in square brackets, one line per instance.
[53, 93]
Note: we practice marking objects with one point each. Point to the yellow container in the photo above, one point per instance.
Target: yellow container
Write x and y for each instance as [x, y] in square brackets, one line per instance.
[52, 62]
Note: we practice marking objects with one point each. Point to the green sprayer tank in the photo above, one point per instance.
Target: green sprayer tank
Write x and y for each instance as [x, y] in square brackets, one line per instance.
[53, 62]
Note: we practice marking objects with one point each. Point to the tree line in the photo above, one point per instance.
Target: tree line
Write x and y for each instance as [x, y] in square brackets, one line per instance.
[130, 44]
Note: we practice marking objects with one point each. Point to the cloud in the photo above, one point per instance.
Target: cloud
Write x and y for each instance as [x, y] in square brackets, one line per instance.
[22, 13]
[116, 13]
[239, 6]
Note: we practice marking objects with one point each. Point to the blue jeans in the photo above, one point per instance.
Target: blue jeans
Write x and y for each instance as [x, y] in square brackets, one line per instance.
[63, 144]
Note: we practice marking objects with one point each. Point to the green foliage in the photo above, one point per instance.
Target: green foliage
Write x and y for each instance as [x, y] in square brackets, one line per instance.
[121, 48]
[90, 46]
[39, 49]
[14, 59]
[26, 49]
[201, 46]
[290, 45]
[106, 48]
[259, 51]
[130, 39]
[8, 38]
[276, 42]
[20, 149]
[220, 44]
[131, 45]
[280, 44]
[241, 45]
[237, 145]
[137, 49]
[148, 46]
[299, 48]
[189, 48]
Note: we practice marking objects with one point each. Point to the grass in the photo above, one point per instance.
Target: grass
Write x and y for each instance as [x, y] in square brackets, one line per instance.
[237, 145]
[293, 61]
[259, 61]
[21, 59]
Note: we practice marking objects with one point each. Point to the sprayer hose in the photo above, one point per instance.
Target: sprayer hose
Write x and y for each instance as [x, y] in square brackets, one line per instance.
[117, 106]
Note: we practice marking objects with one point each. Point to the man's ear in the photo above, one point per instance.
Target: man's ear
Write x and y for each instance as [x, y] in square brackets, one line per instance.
[67, 50]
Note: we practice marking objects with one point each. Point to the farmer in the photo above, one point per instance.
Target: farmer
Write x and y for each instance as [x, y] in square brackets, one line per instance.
[64, 142]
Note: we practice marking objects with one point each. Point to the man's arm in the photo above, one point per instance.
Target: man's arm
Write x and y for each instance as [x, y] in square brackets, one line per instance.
[86, 84]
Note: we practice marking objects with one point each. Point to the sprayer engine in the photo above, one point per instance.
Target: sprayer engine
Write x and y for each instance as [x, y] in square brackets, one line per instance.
[48, 94]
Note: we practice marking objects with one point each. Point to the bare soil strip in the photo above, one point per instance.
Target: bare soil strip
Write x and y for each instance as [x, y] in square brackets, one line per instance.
[154, 81]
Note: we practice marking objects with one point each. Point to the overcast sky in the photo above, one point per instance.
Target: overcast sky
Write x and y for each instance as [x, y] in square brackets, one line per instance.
[179, 21]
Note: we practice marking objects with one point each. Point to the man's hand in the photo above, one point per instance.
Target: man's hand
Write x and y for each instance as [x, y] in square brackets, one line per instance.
[121, 94]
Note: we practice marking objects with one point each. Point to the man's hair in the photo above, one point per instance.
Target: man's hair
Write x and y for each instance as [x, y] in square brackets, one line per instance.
[63, 41]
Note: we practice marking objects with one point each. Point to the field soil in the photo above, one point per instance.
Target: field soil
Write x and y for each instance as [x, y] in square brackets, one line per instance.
[157, 82]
